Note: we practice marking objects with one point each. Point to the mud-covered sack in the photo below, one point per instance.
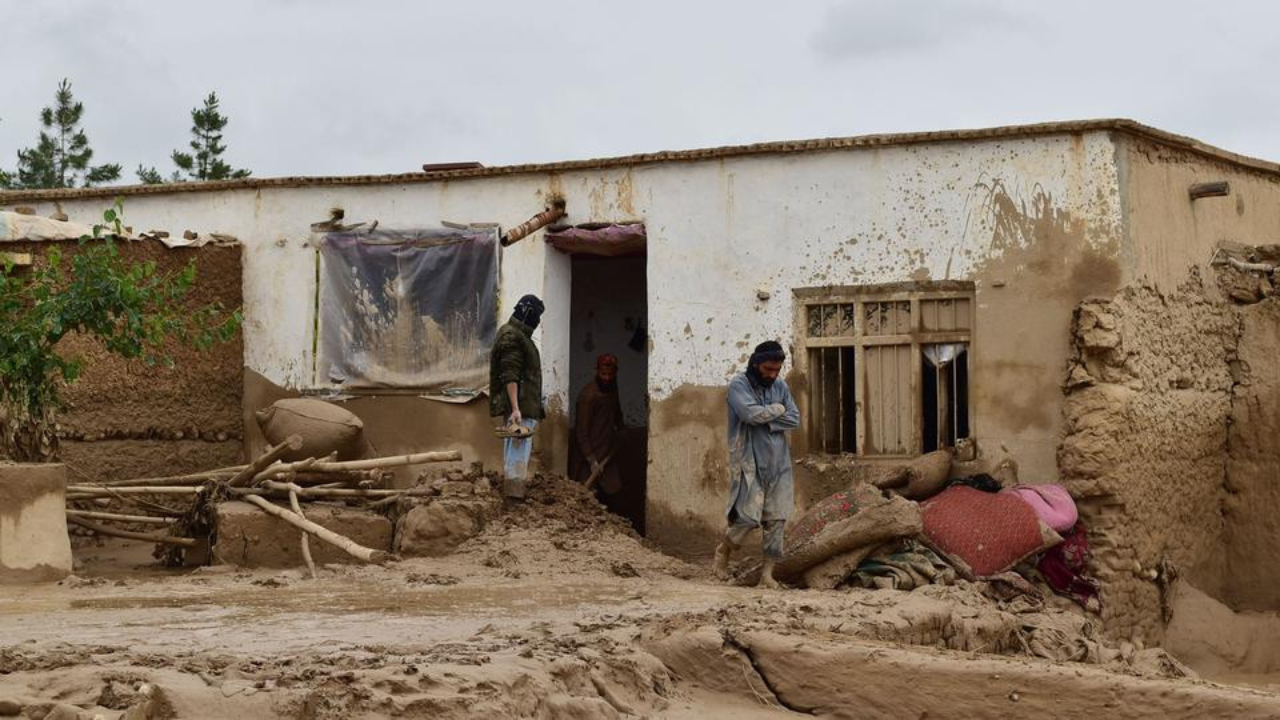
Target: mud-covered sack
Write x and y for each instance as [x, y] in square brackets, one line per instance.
[833, 508]
[927, 474]
[325, 428]
[860, 517]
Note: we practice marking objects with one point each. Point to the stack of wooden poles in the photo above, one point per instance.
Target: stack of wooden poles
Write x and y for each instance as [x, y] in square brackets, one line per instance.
[259, 482]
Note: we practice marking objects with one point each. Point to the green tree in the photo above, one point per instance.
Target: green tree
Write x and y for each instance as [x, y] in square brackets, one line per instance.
[149, 175]
[62, 155]
[130, 307]
[205, 161]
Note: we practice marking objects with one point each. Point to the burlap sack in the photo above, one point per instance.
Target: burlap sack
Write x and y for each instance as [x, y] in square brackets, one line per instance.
[929, 473]
[324, 428]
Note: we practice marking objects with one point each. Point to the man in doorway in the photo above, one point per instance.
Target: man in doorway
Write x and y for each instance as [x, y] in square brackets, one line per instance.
[515, 390]
[598, 422]
[761, 486]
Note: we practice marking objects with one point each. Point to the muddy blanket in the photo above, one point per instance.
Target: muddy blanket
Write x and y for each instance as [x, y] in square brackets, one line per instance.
[909, 566]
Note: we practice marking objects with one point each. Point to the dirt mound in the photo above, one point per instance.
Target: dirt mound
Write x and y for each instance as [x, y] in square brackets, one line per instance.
[553, 499]
[561, 529]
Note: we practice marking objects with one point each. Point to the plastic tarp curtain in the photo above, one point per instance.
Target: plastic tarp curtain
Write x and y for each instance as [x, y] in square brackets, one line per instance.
[407, 308]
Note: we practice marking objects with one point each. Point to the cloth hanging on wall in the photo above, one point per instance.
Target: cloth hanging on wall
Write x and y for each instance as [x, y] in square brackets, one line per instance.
[407, 308]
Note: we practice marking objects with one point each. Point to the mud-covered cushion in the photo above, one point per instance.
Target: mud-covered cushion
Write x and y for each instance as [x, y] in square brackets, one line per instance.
[984, 533]
[1051, 503]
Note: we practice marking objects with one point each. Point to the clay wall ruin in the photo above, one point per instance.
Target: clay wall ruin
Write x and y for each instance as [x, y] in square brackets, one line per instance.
[1171, 433]
[1251, 509]
[1148, 398]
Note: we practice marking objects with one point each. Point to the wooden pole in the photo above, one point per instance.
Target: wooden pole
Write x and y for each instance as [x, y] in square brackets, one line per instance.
[91, 515]
[370, 464]
[293, 442]
[191, 479]
[112, 532]
[346, 544]
[306, 537]
[91, 491]
[335, 492]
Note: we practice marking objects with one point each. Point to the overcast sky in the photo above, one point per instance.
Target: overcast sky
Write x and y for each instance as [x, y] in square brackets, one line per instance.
[321, 87]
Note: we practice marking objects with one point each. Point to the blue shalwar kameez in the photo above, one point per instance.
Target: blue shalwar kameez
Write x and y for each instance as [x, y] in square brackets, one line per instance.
[761, 484]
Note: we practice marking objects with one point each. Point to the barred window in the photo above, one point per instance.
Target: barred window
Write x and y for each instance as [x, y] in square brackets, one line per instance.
[887, 366]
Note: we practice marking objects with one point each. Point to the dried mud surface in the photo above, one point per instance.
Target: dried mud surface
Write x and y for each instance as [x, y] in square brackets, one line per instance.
[557, 610]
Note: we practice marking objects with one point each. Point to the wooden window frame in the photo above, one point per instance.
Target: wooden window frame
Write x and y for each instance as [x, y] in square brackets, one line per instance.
[914, 293]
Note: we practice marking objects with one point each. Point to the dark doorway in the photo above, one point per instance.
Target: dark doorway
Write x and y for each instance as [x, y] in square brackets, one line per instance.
[609, 315]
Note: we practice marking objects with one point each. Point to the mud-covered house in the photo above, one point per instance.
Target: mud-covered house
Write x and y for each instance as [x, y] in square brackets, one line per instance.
[1088, 300]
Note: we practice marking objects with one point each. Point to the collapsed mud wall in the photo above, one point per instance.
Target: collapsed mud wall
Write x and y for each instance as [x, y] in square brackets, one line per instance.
[1252, 504]
[1148, 400]
[128, 419]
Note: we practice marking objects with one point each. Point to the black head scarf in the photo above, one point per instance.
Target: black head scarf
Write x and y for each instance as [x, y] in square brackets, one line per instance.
[767, 351]
[528, 311]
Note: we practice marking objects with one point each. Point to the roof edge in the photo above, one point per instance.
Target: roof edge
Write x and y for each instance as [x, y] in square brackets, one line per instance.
[1124, 125]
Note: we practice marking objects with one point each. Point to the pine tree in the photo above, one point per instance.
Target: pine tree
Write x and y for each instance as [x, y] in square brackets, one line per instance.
[205, 162]
[61, 157]
[149, 176]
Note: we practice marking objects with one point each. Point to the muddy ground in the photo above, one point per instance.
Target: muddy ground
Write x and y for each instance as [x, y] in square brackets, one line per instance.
[557, 610]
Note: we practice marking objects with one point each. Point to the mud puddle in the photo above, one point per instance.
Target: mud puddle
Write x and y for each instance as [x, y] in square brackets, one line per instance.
[514, 600]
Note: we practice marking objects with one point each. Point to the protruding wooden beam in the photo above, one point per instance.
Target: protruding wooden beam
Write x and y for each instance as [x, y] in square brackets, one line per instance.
[535, 223]
[1210, 189]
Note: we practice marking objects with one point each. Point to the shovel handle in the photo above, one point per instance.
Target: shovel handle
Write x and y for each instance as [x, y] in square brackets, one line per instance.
[595, 474]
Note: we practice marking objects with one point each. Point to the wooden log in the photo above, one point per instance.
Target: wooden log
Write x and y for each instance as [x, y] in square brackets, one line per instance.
[1251, 266]
[1209, 189]
[349, 546]
[312, 476]
[117, 517]
[271, 485]
[91, 491]
[113, 532]
[244, 477]
[306, 537]
[192, 479]
[370, 464]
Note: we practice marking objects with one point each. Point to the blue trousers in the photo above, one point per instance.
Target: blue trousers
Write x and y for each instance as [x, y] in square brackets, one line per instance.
[515, 462]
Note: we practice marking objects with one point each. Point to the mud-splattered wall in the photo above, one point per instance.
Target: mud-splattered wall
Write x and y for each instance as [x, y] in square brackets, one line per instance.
[1034, 223]
[127, 419]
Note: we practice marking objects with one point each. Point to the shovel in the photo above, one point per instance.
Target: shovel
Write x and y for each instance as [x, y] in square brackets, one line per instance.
[513, 431]
[595, 474]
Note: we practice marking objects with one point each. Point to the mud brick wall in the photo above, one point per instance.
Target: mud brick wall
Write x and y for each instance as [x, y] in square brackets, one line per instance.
[1148, 401]
[1252, 509]
[127, 419]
